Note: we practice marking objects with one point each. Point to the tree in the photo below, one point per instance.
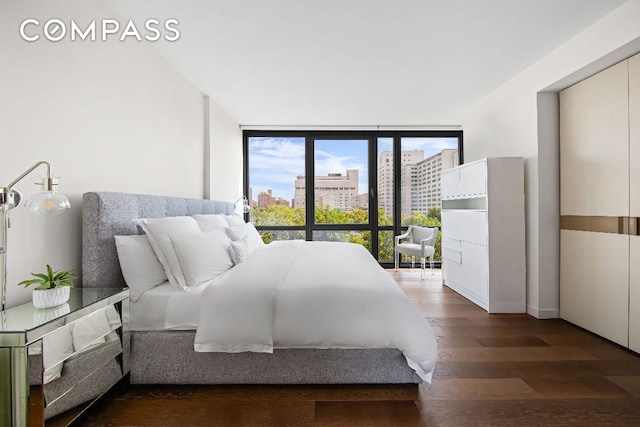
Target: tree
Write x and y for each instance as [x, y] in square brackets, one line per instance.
[435, 212]
[279, 215]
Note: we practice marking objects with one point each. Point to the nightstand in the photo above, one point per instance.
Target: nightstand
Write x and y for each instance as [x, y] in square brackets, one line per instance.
[60, 360]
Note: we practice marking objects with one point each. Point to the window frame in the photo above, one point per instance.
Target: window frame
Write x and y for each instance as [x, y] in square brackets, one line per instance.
[372, 136]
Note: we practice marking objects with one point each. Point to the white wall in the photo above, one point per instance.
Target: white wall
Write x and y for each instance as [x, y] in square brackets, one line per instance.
[520, 119]
[223, 155]
[107, 115]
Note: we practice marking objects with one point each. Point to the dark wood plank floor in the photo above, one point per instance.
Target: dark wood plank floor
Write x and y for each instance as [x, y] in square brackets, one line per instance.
[493, 370]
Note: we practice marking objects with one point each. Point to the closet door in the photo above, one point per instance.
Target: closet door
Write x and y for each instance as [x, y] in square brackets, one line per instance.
[634, 165]
[594, 278]
[594, 145]
[634, 295]
[594, 188]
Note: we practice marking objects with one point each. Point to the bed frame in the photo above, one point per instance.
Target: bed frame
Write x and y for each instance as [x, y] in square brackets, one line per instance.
[167, 357]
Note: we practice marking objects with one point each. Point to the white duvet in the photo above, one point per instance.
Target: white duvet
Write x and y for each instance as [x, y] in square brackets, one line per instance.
[297, 294]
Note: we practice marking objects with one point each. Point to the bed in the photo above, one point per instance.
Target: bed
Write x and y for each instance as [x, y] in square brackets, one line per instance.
[166, 354]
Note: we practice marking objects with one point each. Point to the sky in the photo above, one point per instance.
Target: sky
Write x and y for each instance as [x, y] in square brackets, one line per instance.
[275, 162]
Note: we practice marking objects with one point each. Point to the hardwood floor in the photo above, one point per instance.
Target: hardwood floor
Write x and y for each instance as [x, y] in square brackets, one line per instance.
[493, 370]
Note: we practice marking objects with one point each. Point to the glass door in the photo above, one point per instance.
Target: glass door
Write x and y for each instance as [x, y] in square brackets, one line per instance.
[422, 161]
[275, 183]
[363, 187]
[385, 198]
[342, 191]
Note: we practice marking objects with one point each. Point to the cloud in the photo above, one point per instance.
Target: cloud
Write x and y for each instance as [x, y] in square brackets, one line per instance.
[428, 145]
[326, 163]
[289, 148]
[275, 162]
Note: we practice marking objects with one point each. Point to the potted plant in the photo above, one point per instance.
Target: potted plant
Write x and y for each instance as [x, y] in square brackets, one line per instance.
[53, 287]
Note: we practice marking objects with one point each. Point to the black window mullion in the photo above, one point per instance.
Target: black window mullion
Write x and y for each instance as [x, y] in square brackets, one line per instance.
[373, 193]
[338, 227]
[397, 177]
[373, 196]
[245, 172]
[310, 205]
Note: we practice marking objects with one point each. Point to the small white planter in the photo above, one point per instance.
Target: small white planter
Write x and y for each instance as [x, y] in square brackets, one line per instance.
[47, 298]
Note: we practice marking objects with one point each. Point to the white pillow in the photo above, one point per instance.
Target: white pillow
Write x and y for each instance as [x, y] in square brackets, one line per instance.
[203, 256]
[234, 220]
[140, 267]
[160, 231]
[248, 241]
[239, 250]
[211, 222]
[237, 232]
[254, 239]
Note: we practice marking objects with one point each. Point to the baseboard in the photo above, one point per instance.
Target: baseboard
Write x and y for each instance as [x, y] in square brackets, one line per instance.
[548, 313]
[506, 308]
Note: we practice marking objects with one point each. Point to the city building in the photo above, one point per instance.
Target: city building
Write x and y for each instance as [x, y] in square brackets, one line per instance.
[299, 194]
[266, 199]
[385, 175]
[420, 182]
[363, 201]
[420, 179]
[336, 191]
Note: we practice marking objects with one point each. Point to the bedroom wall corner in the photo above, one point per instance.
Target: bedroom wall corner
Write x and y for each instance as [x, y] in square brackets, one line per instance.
[223, 147]
[109, 115]
[517, 119]
[548, 170]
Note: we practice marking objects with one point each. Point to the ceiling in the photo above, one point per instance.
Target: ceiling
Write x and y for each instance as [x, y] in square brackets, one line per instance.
[359, 62]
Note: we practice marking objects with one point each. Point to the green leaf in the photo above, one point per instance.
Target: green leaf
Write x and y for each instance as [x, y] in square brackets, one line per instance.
[30, 282]
[51, 279]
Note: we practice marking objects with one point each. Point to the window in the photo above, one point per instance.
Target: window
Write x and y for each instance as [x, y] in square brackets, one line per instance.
[276, 189]
[321, 185]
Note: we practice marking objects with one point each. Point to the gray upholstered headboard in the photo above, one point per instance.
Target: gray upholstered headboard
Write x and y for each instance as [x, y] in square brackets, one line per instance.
[106, 214]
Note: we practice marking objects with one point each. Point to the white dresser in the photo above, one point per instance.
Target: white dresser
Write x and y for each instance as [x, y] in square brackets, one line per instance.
[483, 233]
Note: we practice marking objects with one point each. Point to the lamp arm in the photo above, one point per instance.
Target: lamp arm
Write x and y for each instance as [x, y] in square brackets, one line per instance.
[27, 172]
[4, 214]
[48, 184]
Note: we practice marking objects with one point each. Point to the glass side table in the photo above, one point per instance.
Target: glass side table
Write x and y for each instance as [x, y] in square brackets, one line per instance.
[60, 360]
